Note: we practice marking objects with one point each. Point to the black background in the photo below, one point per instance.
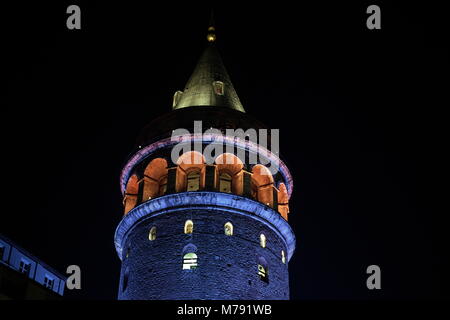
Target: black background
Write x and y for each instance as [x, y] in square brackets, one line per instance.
[360, 114]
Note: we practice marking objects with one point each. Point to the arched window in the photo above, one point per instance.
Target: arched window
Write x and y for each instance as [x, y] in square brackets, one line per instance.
[218, 87]
[193, 181]
[225, 183]
[262, 240]
[189, 261]
[176, 98]
[283, 256]
[152, 234]
[228, 228]
[188, 227]
[263, 269]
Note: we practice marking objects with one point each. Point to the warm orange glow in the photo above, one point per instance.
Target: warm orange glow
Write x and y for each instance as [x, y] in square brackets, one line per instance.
[263, 185]
[187, 163]
[283, 201]
[153, 174]
[230, 164]
[261, 175]
[131, 193]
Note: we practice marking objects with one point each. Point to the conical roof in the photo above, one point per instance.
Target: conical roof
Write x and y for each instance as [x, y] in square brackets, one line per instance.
[209, 84]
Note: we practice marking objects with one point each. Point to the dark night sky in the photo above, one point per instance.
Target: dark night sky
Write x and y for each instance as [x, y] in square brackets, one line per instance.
[359, 112]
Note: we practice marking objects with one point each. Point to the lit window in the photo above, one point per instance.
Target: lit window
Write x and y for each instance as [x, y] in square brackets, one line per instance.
[218, 87]
[283, 256]
[188, 227]
[24, 267]
[262, 240]
[228, 229]
[48, 282]
[225, 183]
[263, 273]
[152, 234]
[176, 98]
[263, 269]
[189, 261]
[193, 181]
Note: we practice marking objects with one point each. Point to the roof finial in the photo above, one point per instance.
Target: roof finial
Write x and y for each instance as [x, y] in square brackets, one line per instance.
[211, 36]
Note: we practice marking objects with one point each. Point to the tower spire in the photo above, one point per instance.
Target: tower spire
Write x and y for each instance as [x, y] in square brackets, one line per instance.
[209, 84]
[211, 36]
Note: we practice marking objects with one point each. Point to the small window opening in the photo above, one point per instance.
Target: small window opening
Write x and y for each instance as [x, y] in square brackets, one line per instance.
[152, 234]
[25, 267]
[189, 261]
[263, 273]
[225, 183]
[48, 282]
[218, 87]
[193, 181]
[188, 227]
[228, 229]
[262, 240]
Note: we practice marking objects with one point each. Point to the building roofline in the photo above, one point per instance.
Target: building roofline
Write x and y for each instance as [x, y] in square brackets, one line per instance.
[33, 257]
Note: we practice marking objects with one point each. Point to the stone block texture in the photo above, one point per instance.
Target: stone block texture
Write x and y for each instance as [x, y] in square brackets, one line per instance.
[227, 265]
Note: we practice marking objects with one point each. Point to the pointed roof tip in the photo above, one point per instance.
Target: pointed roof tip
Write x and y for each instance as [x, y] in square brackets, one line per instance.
[209, 84]
[211, 36]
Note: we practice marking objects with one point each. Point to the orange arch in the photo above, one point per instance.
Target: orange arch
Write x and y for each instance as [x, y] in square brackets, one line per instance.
[232, 165]
[263, 183]
[229, 162]
[261, 175]
[153, 174]
[131, 193]
[283, 201]
[188, 162]
[156, 169]
[132, 185]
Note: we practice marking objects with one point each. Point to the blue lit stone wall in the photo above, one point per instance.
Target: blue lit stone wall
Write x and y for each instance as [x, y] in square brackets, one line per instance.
[227, 265]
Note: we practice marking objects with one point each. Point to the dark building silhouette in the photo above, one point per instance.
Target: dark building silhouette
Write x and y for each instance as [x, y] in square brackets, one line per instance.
[25, 277]
[204, 225]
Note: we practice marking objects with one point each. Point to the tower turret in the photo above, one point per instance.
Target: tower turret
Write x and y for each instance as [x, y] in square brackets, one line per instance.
[205, 211]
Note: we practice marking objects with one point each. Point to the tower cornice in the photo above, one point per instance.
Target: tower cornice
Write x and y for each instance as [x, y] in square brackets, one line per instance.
[217, 201]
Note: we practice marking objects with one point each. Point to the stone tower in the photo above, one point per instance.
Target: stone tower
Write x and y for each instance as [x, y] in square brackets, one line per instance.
[205, 211]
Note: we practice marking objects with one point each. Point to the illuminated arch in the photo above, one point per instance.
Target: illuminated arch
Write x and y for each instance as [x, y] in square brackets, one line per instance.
[263, 183]
[261, 175]
[191, 161]
[154, 172]
[131, 193]
[283, 201]
[228, 163]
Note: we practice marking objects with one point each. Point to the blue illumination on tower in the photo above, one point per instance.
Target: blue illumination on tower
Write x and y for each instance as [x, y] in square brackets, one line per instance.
[201, 229]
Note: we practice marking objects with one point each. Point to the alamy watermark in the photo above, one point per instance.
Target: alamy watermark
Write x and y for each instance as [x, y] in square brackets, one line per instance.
[256, 142]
